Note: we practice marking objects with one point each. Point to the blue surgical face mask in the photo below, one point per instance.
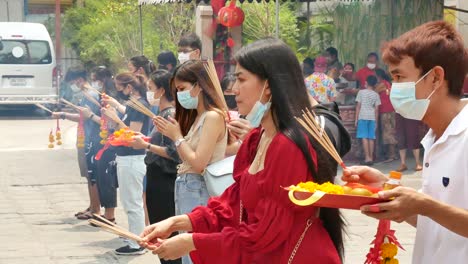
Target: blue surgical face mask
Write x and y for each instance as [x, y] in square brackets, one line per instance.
[258, 111]
[403, 98]
[186, 100]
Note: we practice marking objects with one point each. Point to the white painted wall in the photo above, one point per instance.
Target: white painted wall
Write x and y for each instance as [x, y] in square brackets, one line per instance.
[11, 10]
[463, 24]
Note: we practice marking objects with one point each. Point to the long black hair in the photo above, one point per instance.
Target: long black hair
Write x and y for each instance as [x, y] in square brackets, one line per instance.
[271, 59]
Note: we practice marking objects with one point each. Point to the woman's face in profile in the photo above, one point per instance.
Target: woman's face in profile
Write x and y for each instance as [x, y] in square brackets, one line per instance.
[248, 89]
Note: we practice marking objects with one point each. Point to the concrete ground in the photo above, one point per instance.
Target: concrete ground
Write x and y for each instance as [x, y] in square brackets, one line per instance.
[40, 190]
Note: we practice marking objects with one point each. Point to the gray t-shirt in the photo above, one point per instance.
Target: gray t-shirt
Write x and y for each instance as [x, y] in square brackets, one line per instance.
[369, 100]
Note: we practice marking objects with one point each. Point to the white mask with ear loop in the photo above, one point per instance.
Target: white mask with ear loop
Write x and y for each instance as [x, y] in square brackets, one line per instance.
[258, 111]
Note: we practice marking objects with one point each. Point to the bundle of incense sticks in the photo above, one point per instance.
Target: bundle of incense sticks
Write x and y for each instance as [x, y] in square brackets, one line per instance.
[113, 116]
[137, 105]
[91, 99]
[113, 228]
[94, 89]
[211, 70]
[70, 104]
[309, 122]
[44, 108]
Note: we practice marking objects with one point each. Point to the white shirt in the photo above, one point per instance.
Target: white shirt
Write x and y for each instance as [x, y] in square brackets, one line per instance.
[445, 178]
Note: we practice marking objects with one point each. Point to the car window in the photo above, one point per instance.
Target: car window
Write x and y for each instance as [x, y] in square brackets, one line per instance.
[25, 52]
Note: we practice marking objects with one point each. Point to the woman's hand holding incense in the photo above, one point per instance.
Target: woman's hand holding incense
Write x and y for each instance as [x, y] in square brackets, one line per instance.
[174, 247]
[160, 230]
[169, 128]
[406, 203]
[110, 101]
[239, 128]
[364, 175]
[85, 111]
[138, 142]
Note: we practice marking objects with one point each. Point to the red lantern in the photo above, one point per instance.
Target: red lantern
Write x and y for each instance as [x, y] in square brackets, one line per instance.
[231, 16]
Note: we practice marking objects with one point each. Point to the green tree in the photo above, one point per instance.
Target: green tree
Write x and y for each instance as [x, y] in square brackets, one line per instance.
[260, 22]
[108, 31]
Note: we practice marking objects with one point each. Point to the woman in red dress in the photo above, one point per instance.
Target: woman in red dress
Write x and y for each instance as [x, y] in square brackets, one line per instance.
[254, 221]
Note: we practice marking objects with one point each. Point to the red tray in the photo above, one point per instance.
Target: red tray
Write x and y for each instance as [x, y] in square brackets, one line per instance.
[342, 201]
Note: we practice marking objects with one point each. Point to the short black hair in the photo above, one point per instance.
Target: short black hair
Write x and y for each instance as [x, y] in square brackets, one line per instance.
[309, 61]
[167, 57]
[190, 40]
[103, 73]
[371, 80]
[332, 51]
[75, 73]
[350, 64]
[373, 54]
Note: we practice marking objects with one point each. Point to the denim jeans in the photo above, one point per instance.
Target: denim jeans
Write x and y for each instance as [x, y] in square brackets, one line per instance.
[190, 192]
[130, 173]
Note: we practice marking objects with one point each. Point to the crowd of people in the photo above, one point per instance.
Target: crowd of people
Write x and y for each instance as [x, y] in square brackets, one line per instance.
[380, 130]
[161, 182]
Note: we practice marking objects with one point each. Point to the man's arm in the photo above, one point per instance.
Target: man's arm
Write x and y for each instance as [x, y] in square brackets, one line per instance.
[453, 218]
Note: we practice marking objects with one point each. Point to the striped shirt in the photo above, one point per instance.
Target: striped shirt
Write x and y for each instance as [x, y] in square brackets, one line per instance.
[369, 100]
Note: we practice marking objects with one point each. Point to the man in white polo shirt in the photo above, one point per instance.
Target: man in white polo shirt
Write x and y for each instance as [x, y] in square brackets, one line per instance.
[428, 65]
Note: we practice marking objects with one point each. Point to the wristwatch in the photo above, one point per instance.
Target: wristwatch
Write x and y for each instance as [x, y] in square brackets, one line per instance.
[149, 146]
[178, 142]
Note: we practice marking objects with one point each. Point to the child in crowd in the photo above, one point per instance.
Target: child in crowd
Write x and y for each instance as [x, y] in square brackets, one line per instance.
[367, 112]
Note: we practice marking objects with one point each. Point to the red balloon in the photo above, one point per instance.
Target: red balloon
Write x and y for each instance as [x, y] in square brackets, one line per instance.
[231, 16]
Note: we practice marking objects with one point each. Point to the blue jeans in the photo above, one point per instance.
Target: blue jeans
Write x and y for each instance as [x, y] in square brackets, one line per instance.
[190, 192]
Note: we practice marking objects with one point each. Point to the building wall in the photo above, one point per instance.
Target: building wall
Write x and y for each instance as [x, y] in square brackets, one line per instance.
[458, 19]
[11, 10]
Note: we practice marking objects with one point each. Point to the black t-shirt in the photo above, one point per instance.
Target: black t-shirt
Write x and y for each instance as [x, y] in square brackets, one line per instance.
[132, 115]
[164, 164]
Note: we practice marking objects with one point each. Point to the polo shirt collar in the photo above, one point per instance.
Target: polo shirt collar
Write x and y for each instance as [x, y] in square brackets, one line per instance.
[458, 125]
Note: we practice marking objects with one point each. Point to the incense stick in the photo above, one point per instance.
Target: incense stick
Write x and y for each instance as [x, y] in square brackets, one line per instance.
[44, 108]
[112, 115]
[117, 231]
[91, 99]
[94, 89]
[211, 70]
[70, 104]
[137, 105]
[108, 222]
[310, 124]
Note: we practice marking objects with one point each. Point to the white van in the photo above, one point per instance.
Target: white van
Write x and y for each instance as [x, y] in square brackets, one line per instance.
[28, 72]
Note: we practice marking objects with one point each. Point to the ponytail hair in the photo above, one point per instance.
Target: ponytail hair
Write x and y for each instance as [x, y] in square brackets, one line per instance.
[143, 62]
[137, 82]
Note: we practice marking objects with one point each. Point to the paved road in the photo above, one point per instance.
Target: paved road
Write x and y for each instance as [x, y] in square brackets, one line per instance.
[40, 190]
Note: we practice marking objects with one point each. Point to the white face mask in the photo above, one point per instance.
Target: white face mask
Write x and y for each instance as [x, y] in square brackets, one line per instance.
[403, 98]
[153, 101]
[371, 66]
[96, 85]
[184, 56]
[258, 111]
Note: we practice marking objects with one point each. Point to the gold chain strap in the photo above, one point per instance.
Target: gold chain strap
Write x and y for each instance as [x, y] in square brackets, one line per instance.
[298, 244]
[293, 253]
